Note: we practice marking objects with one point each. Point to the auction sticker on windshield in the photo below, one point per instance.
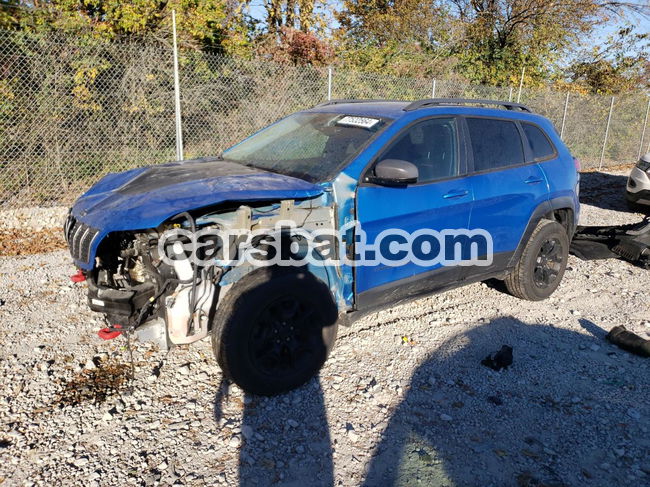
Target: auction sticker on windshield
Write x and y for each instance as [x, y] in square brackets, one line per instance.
[364, 122]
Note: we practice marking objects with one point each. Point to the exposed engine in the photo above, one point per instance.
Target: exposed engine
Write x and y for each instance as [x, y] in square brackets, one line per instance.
[137, 290]
[173, 302]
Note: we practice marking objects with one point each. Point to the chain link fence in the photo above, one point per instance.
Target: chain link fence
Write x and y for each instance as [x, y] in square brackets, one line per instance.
[72, 110]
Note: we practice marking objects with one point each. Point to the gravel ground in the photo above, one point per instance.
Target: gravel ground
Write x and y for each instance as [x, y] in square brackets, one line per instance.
[403, 398]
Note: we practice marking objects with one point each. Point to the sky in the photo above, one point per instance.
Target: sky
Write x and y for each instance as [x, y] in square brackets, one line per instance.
[642, 26]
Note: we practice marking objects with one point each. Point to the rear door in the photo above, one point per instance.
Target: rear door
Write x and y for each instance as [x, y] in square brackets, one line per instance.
[507, 185]
[557, 164]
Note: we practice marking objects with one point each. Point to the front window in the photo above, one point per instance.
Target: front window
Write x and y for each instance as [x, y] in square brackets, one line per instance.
[431, 146]
[310, 146]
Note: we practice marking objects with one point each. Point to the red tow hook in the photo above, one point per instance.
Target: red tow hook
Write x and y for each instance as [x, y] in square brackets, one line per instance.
[78, 277]
[109, 333]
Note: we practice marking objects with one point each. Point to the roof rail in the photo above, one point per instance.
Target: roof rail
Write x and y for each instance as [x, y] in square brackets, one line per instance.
[338, 102]
[432, 102]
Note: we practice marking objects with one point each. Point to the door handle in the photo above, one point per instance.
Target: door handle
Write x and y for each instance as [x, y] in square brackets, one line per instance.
[456, 193]
[533, 180]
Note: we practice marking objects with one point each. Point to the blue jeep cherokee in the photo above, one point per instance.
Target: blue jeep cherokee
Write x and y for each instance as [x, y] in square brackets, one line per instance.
[383, 170]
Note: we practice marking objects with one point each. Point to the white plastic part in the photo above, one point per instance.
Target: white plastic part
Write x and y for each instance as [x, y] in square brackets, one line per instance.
[182, 266]
[178, 313]
[153, 331]
[178, 304]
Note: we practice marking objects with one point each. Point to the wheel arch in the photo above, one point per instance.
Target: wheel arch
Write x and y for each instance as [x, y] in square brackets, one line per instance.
[327, 274]
[559, 209]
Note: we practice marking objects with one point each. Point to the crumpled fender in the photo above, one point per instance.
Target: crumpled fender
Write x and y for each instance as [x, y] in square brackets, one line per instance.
[146, 197]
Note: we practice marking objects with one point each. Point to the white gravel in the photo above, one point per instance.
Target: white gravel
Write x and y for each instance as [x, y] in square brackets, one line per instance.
[403, 398]
[33, 218]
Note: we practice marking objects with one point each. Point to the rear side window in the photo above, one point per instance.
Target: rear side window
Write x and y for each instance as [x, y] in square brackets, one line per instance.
[539, 144]
[495, 143]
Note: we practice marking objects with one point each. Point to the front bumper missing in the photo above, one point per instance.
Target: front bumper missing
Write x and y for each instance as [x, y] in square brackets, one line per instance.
[629, 242]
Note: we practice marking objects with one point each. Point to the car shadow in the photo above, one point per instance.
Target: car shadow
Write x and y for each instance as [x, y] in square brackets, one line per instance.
[566, 412]
[558, 416]
[604, 190]
[285, 439]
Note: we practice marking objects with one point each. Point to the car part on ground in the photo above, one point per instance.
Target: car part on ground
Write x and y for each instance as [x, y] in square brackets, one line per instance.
[629, 242]
[638, 185]
[629, 341]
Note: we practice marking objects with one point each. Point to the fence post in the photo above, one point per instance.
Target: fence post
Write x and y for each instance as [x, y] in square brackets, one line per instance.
[645, 124]
[510, 95]
[521, 83]
[433, 89]
[566, 106]
[177, 96]
[609, 118]
[329, 83]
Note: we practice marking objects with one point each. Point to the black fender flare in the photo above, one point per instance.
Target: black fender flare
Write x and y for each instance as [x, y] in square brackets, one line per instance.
[542, 210]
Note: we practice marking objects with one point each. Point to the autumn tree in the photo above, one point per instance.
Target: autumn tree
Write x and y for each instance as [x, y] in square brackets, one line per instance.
[396, 36]
[291, 33]
[212, 25]
[619, 65]
[289, 13]
[501, 37]
[293, 46]
[10, 11]
[487, 41]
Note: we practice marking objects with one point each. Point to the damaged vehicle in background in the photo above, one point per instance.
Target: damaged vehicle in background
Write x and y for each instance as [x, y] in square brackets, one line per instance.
[638, 185]
[436, 164]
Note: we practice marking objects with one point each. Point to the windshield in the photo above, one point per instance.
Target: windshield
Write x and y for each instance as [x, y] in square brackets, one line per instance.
[310, 146]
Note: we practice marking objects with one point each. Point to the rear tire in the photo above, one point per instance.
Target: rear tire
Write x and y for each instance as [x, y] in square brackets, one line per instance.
[542, 263]
[274, 330]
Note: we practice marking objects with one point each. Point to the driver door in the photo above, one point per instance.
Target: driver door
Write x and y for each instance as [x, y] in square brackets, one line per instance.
[440, 199]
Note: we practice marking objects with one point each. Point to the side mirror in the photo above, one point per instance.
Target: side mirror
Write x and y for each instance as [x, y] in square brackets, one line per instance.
[395, 172]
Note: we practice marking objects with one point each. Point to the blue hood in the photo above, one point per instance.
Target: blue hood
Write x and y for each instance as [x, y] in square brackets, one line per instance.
[145, 197]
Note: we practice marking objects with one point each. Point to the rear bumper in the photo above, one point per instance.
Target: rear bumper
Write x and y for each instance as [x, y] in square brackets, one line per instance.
[640, 197]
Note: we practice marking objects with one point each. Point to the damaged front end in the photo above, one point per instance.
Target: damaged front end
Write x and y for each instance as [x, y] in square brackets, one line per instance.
[172, 302]
[135, 290]
[114, 229]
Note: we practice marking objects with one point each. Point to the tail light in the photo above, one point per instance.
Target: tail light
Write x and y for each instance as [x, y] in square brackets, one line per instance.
[576, 163]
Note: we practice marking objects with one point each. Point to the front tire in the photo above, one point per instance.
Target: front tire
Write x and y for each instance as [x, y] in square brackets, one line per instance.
[542, 263]
[274, 330]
